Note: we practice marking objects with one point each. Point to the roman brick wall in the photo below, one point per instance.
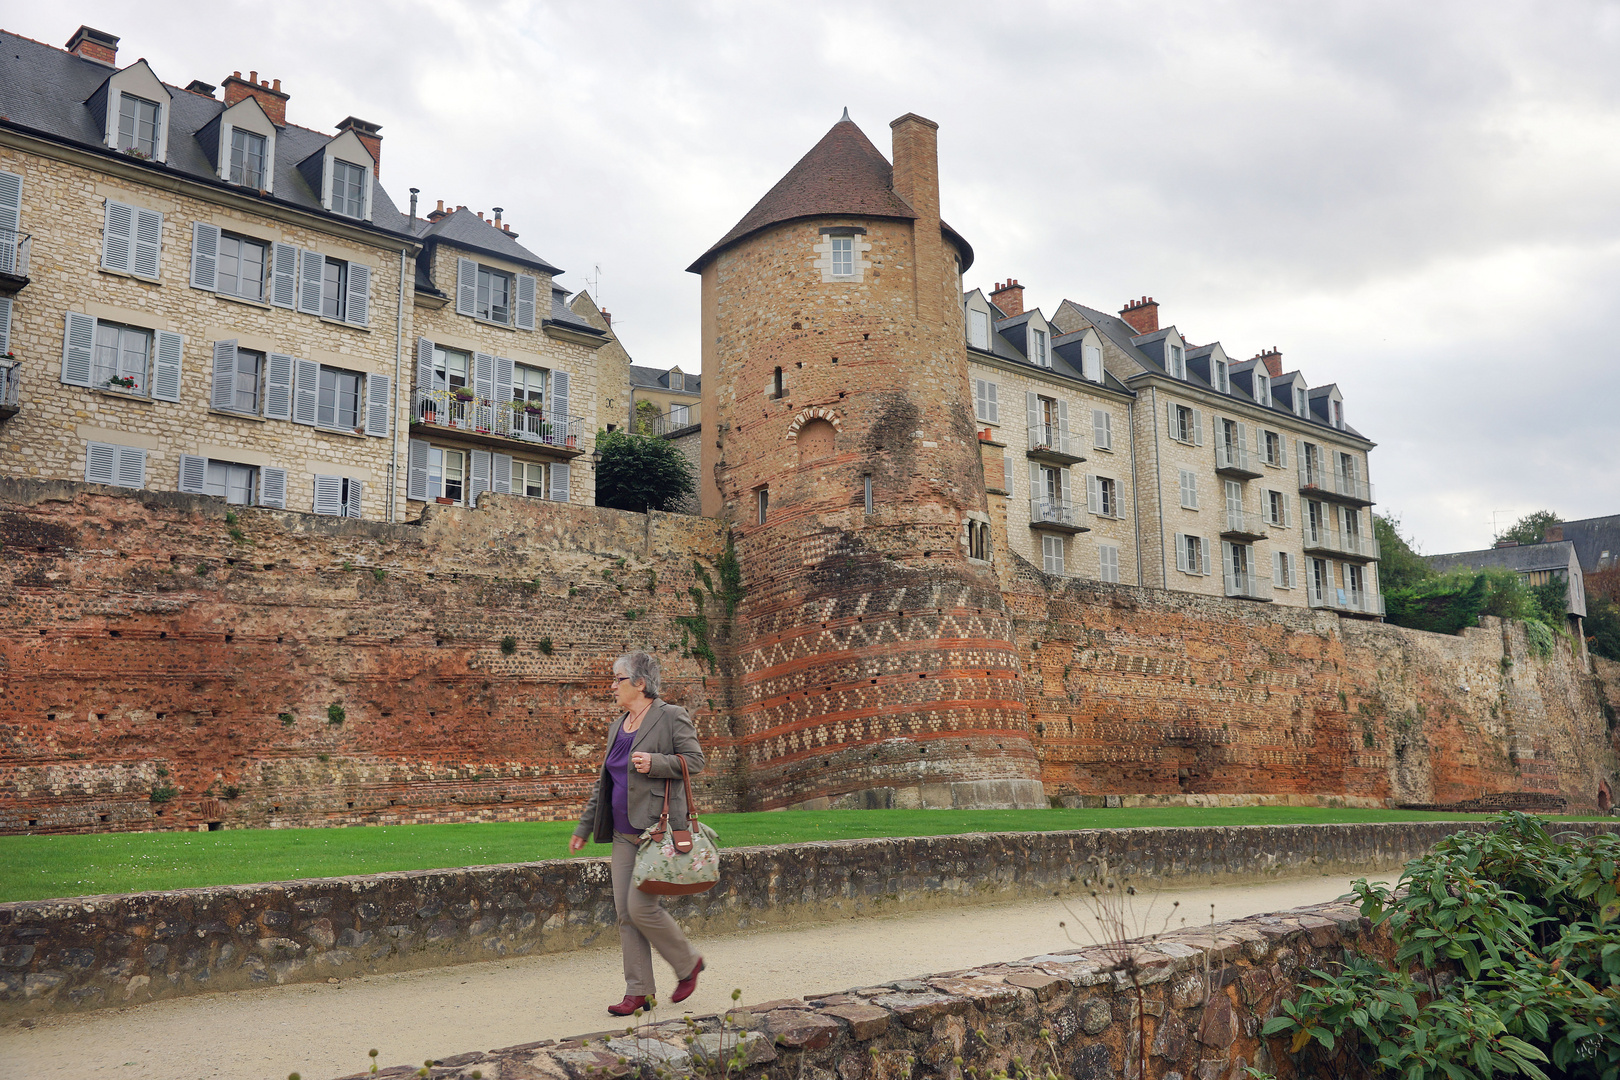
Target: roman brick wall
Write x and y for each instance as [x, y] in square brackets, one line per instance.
[1160, 696]
[150, 641]
[537, 348]
[875, 662]
[63, 209]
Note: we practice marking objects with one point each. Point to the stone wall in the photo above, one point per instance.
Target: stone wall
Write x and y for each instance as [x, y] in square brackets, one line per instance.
[93, 952]
[1173, 697]
[278, 669]
[1195, 999]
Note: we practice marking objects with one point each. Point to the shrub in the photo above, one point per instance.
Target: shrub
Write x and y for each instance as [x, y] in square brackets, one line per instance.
[378, 574]
[508, 645]
[232, 791]
[335, 714]
[163, 793]
[641, 473]
[545, 646]
[286, 719]
[1507, 957]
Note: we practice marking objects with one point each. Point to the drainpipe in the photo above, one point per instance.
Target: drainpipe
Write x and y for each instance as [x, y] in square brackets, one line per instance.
[1136, 502]
[1158, 483]
[399, 362]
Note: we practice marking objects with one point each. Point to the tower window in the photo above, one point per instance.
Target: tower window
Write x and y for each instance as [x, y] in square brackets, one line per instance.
[843, 256]
[764, 503]
[778, 389]
[866, 483]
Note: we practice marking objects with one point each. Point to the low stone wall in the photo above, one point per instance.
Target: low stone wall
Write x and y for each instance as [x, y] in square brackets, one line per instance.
[93, 952]
[1196, 999]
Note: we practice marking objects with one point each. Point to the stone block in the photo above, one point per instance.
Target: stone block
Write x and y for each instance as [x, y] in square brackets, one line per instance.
[865, 1021]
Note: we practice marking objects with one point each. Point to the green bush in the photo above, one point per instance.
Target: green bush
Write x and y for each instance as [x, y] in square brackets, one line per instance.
[641, 473]
[1603, 626]
[335, 714]
[1507, 960]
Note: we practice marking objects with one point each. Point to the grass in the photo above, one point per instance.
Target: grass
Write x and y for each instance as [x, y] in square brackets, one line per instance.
[46, 867]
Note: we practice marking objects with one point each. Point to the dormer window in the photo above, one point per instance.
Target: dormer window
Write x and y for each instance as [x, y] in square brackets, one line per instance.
[978, 328]
[1301, 406]
[1338, 414]
[348, 189]
[248, 159]
[1221, 381]
[1262, 388]
[1037, 348]
[677, 381]
[1091, 363]
[1178, 362]
[138, 125]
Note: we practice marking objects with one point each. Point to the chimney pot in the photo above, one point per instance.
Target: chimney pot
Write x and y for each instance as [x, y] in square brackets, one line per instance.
[236, 74]
[1009, 297]
[276, 86]
[1141, 315]
[272, 100]
[92, 44]
[253, 76]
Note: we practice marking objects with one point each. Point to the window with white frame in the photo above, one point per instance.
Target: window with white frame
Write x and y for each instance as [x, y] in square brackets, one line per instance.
[1038, 353]
[1274, 449]
[1186, 424]
[529, 384]
[529, 479]
[334, 289]
[1178, 361]
[678, 415]
[1322, 584]
[764, 504]
[1091, 363]
[230, 481]
[1052, 554]
[978, 328]
[348, 188]
[236, 483]
[123, 358]
[978, 537]
[1102, 496]
[843, 255]
[338, 496]
[1218, 376]
[1301, 405]
[242, 263]
[1282, 570]
[1355, 583]
[986, 407]
[1277, 509]
[1262, 388]
[338, 405]
[139, 123]
[450, 368]
[494, 295]
[1108, 562]
[248, 159]
[247, 376]
[1102, 429]
[1189, 489]
[447, 474]
[1192, 554]
[338, 399]
[1338, 414]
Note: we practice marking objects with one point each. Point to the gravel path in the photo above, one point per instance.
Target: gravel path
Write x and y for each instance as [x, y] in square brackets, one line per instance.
[324, 1029]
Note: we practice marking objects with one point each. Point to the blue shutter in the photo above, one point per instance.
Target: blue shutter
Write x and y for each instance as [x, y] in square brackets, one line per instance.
[503, 381]
[78, 349]
[328, 495]
[379, 404]
[477, 475]
[353, 497]
[131, 467]
[358, 308]
[273, 487]
[118, 236]
[278, 387]
[416, 482]
[193, 474]
[424, 364]
[148, 243]
[526, 284]
[284, 276]
[311, 268]
[5, 324]
[222, 394]
[559, 396]
[100, 463]
[466, 287]
[166, 366]
[204, 255]
[500, 468]
[306, 390]
[559, 481]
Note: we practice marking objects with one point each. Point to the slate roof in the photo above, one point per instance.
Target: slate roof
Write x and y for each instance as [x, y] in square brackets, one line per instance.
[1060, 346]
[843, 174]
[659, 377]
[1592, 537]
[466, 230]
[1523, 559]
[560, 313]
[43, 90]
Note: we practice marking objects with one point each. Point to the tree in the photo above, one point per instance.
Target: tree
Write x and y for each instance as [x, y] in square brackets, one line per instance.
[1399, 566]
[1529, 529]
[641, 473]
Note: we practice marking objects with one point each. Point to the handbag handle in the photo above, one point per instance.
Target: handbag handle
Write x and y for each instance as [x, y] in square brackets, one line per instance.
[691, 805]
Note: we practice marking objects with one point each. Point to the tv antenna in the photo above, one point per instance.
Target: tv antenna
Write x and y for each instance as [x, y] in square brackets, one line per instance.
[594, 283]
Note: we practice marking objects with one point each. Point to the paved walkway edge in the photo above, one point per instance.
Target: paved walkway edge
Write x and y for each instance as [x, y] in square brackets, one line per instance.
[97, 952]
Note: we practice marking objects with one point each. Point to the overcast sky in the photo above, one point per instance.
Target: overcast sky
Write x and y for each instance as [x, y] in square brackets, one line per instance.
[1417, 201]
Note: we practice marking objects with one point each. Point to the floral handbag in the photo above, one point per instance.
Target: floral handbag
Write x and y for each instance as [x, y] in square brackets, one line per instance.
[676, 862]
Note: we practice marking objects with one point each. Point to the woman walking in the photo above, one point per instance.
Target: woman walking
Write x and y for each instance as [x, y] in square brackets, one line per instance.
[645, 748]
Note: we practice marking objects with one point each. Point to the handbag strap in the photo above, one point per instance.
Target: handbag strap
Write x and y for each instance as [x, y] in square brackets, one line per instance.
[691, 806]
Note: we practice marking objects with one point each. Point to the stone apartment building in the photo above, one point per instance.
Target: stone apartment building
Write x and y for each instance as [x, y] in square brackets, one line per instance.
[1117, 450]
[197, 295]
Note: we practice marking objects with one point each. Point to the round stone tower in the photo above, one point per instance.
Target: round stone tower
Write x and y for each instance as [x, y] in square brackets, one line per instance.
[874, 657]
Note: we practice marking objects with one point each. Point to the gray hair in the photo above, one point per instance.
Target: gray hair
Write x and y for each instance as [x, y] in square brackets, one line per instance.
[640, 667]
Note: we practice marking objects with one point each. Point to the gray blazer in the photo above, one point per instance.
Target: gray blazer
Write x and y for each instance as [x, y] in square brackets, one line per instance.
[665, 732]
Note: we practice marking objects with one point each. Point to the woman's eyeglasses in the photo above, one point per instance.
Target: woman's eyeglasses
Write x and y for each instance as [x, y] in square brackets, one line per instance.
[617, 679]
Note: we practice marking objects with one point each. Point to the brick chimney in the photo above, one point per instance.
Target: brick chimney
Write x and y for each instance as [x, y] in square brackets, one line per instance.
[1552, 534]
[269, 95]
[1273, 360]
[367, 132]
[1009, 297]
[1141, 315]
[439, 214]
[916, 180]
[92, 44]
[607, 317]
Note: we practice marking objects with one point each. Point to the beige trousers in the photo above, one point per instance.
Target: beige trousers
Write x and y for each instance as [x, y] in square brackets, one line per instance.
[644, 925]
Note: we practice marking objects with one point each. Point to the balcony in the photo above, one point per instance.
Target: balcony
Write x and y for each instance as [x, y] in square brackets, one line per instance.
[1347, 601]
[10, 386]
[1347, 489]
[1242, 525]
[496, 423]
[13, 261]
[1050, 442]
[1231, 461]
[1248, 586]
[655, 423]
[1341, 545]
[1054, 516]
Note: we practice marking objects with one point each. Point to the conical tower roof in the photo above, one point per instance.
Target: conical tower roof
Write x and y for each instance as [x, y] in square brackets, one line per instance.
[842, 174]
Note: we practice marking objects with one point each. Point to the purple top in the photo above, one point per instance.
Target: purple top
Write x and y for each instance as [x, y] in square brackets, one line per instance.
[618, 775]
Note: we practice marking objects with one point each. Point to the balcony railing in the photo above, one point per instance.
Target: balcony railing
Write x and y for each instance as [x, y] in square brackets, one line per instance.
[544, 428]
[10, 388]
[1318, 481]
[1351, 601]
[1242, 523]
[14, 247]
[1055, 514]
[1234, 461]
[1051, 441]
[643, 422]
[1248, 585]
[1353, 544]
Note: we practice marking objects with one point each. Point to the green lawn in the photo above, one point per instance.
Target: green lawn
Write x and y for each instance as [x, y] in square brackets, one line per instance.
[43, 867]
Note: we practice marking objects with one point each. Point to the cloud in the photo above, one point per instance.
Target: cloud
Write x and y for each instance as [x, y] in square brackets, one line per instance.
[1414, 201]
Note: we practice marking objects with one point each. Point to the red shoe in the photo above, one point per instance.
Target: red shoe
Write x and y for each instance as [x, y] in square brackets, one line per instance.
[684, 988]
[628, 1006]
